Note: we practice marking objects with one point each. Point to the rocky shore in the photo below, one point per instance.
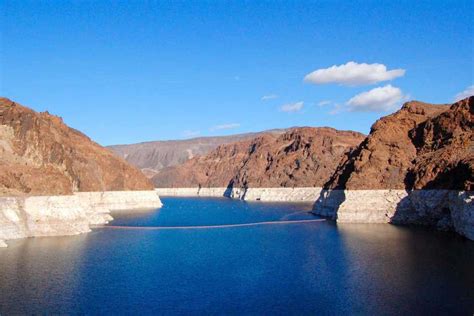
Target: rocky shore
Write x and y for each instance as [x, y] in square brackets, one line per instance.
[309, 194]
[62, 215]
[442, 209]
[55, 181]
[416, 166]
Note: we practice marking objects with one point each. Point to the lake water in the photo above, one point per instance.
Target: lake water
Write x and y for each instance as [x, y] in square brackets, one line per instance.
[305, 268]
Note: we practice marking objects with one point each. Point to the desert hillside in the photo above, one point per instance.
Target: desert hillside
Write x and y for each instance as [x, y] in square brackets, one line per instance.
[40, 155]
[421, 146]
[151, 157]
[300, 157]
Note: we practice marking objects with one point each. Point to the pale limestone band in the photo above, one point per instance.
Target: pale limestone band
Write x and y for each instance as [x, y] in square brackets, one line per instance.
[32, 216]
[448, 207]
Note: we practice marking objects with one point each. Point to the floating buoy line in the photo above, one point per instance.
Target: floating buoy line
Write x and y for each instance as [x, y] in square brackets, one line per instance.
[211, 226]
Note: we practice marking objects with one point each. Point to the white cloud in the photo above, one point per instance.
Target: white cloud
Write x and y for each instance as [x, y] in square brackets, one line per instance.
[464, 94]
[353, 74]
[225, 126]
[292, 107]
[324, 102]
[381, 99]
[191, 133]
[269, 97]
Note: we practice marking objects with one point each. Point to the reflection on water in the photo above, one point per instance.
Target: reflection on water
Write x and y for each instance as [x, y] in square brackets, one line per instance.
[299, 268]
[414, 269]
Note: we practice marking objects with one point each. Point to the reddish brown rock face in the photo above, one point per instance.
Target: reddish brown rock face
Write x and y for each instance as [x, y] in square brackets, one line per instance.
[301, 157]
[421, 146]
[40, 155]
[445, 150]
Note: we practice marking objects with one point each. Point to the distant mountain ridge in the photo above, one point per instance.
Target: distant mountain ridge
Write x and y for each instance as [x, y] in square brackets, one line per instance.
[153, 156]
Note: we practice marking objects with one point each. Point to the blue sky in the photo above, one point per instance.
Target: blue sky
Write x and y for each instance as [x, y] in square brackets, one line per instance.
[131, 71]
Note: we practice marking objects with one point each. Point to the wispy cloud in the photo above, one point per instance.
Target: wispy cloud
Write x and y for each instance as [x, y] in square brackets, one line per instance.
[189, 133]
[353, 74]
[292, 107]
[381, 99]
[225, 126]
[337, 108]
[324, 102]
[464, 94]
[269, 97]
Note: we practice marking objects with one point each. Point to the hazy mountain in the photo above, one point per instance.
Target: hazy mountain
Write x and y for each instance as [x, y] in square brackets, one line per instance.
[156, 155]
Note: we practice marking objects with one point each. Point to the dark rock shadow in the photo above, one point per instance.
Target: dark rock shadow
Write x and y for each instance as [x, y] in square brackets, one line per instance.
[228, 190]
[328, 203]
[332, 195]
[431, 205]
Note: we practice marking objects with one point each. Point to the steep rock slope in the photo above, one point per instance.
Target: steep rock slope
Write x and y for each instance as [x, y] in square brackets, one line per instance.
[301, 157]
[445, 150]
[40, 155]
[415, 167]
[151, 157]
[421, 146]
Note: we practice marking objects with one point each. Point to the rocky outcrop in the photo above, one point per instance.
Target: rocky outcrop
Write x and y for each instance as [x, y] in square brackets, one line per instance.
[151, 157]
[301, 157]
[40, 155]
[56, 181]
[415, 167]
[422, 146]
[62, 215]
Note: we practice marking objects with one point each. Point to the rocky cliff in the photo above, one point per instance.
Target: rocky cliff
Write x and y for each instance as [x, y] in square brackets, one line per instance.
[151, 157]
[300, 157]
[415, 167]
[56, 181]
[40, 155]
[421, 146]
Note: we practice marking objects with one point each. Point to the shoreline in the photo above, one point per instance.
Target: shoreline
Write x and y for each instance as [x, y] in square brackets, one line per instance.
[297, 194]
[441, 209]
[64, 215]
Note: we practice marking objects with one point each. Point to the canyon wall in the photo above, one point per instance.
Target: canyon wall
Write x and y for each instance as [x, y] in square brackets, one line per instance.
[153, 156]
[54, 180]
[300, 157]
[415, 167]
[40, 155]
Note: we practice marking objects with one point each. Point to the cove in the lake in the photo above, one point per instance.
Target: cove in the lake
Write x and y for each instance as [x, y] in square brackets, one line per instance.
[299, 268]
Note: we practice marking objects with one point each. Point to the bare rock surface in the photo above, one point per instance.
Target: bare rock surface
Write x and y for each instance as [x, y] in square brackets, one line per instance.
[153, 156]
[61, 215]
[421, 146]
[40, 155]
[300, 157]
[415, 167]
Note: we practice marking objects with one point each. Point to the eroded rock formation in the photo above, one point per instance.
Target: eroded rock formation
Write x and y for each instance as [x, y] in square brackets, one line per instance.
[301, 157]
[40, 155]
[55, 181]
[421, 146]
[153, 156]
[415, 167]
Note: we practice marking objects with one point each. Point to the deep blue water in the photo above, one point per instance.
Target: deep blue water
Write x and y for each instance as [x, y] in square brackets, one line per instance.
[310, 268]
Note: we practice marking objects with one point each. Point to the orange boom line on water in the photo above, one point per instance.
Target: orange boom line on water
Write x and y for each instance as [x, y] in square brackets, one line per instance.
[212, 226]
